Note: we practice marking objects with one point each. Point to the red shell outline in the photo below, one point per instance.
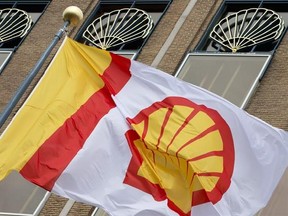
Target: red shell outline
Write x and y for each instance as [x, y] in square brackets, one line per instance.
[201, 196]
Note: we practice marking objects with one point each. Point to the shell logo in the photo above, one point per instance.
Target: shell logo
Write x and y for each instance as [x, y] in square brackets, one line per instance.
[182, 152]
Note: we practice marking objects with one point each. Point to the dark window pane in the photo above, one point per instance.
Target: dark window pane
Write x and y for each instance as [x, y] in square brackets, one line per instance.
[33, 9]
[230, 7]
[154, 8]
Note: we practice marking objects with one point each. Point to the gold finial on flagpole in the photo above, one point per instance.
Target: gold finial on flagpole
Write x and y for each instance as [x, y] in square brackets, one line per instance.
[73, 14]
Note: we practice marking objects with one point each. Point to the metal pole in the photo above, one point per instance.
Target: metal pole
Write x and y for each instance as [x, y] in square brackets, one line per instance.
[10, 106]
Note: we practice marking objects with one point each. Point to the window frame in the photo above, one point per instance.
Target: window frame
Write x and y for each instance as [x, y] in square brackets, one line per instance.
[93, 16]
[124, 53]
[200, 48]
[39, 205]
[255, 82]
[218, 15]
[15, 4]
[7, 59]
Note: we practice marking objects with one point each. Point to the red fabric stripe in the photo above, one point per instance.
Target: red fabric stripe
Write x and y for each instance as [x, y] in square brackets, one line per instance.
[55, 154]
[117, 74]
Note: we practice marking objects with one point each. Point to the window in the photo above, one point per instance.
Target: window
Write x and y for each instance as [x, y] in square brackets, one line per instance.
[34, 9]
[4, 57]
[126, 54]
[21, 197]
[12, 10]
[229, 7]
[233, 77]
[130, 48]
[99, 212]
[235, 73]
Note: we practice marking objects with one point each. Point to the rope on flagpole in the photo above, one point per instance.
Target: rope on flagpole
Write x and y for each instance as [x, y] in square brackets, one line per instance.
[71, 16]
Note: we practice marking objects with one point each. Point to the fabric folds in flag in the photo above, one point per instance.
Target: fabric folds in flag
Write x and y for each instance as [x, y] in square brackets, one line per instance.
[112, 132]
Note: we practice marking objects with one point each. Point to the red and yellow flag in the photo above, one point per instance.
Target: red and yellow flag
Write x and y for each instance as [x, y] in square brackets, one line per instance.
[54, 123]
[115, 133]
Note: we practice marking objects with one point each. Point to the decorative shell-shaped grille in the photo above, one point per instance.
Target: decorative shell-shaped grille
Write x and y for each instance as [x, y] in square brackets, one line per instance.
[14, 23]
[118, 27]
[248, 28]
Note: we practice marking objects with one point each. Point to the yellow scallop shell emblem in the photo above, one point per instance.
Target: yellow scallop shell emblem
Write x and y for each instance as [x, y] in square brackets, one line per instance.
[182, 152]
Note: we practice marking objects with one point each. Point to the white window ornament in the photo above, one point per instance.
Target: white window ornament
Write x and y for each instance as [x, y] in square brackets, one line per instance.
[247, 28]
[118, 27]
[14, 23]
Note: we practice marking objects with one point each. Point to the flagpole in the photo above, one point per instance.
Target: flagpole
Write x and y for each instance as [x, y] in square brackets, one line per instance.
[71, 16]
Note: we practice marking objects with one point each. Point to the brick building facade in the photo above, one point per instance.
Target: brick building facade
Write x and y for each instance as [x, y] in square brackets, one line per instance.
[178, 32]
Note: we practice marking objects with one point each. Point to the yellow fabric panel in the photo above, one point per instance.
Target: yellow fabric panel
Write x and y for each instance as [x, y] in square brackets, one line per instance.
[69, 81]
[197, 125]
[167, 164]
[204, 145]
[178, 116]
[160, 168]
[208, 183]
